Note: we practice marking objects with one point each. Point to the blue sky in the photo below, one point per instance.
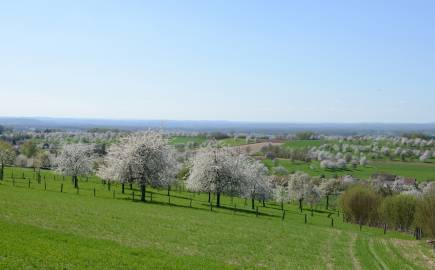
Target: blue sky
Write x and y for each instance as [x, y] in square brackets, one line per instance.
[279, 61]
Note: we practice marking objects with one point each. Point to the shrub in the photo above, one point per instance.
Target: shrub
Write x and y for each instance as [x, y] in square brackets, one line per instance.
[398, 211]
[360, 204]
[425, 214]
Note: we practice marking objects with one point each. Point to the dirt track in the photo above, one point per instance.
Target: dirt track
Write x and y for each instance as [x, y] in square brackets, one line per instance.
[254, 147]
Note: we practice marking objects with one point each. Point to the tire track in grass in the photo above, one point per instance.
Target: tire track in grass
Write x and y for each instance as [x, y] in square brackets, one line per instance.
[392, 259]
[363, 254]
[378, 260]
[340, 252]
[415, 254]
[355, 262]
[393, 253]
[326, 258]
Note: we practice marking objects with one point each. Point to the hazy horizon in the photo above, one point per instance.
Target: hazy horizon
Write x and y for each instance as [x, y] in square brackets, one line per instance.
[210, 120]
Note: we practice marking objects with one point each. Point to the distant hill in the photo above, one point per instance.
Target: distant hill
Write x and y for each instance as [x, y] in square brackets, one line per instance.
[225, 126]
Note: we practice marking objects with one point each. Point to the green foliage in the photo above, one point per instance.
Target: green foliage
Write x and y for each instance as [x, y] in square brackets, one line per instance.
[360, 203]
[416, 135]
[398, 211]
[425, 214]
[29, 149]
[305, 135]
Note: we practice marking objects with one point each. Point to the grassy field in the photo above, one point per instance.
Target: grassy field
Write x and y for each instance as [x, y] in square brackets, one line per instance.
[420, 171]
[187, 139]
[47, 229]
[303, 143]
[202, 139]
[232, 142]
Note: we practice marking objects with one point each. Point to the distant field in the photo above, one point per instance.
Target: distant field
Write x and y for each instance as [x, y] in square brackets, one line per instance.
[46, 229]
[187, 139]
[232, 142]
[418, 170]
[303, 143]
[202, 139]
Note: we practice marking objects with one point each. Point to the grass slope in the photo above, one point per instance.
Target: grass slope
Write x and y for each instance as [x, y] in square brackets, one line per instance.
[46, 229]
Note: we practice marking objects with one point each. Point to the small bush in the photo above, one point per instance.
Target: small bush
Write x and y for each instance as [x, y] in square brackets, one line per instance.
[425, 214]
[361, 204]
[398, 211]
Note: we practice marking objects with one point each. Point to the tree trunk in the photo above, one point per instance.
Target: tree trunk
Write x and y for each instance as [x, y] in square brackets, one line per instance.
[252, 203]
[2, 170]
[300, 204]
[75, 180]
[218, 199]
[142, 191]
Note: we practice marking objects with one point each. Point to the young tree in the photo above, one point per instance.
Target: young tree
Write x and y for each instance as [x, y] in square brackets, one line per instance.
[29, 149]
[329, 187]
[363, 161]
[297, 186]
[312, 194]
[281, 194]
[255, 184]
[7, 156]
[116, 165]
[75, 160]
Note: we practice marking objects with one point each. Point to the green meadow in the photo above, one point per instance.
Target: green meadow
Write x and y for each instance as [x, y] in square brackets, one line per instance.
[420, 171]
[98, 227]
[187, 139]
